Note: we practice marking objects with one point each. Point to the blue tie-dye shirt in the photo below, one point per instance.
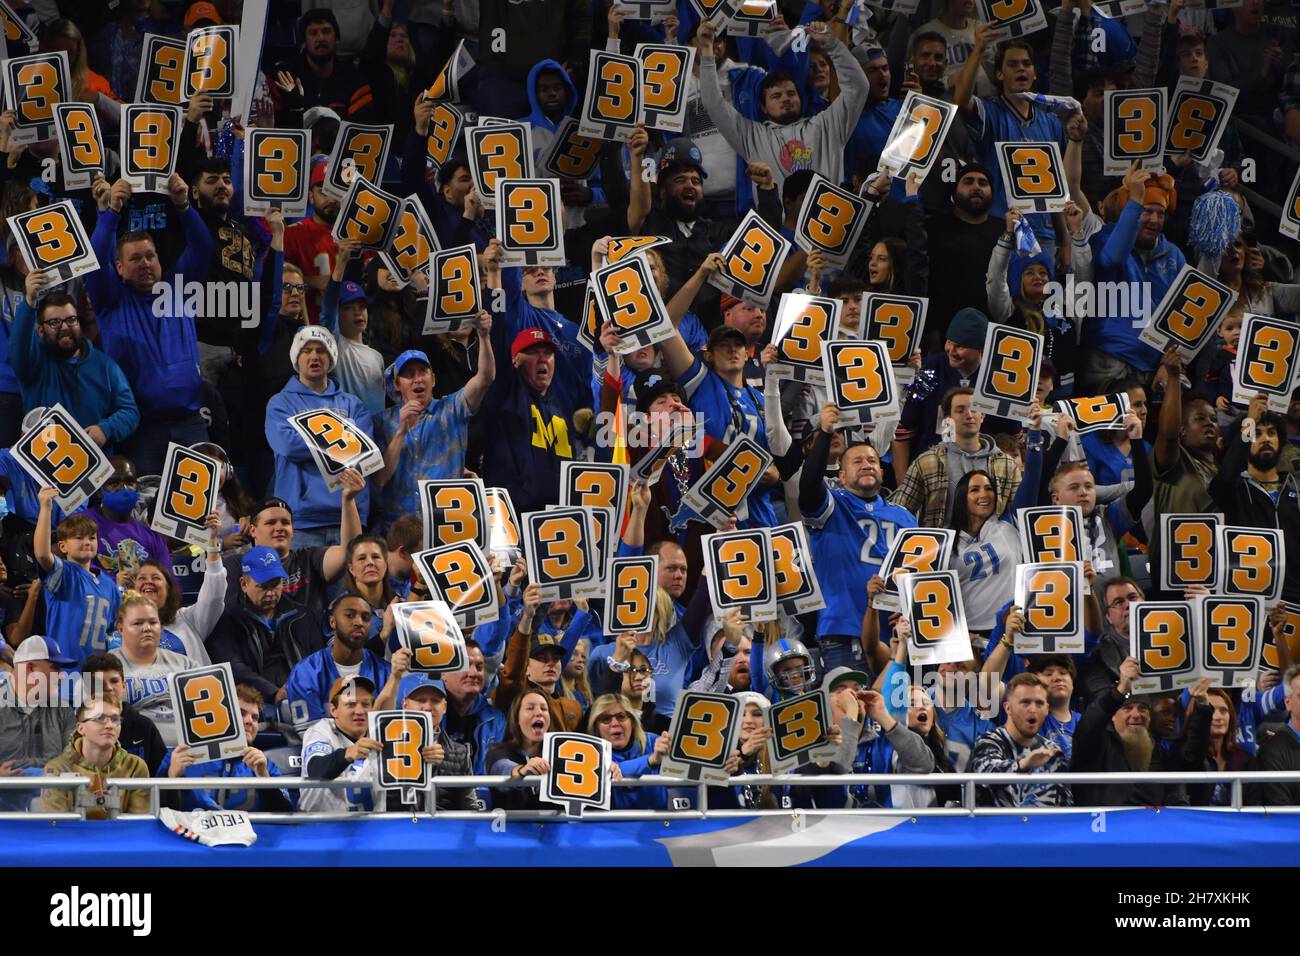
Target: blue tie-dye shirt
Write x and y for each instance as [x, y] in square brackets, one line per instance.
[434, 448]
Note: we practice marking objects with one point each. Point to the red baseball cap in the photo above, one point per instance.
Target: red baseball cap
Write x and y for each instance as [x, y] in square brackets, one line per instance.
[318, 173]
[529, 338]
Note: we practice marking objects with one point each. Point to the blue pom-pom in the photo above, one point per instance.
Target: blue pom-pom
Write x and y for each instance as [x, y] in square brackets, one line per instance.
[1215, 222]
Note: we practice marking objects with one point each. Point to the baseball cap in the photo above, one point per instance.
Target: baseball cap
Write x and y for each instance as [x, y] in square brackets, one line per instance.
[650, 384]
[413, 682]
[682, 151]
[262, 564]
[546, 642]
[725, 332]
[318, 173]
[38, 648]
[839, 675]
[529, 338]
[727, 301]
[266, 503]
[350, 683]
[394, 370]
[315, 115]
[201, 15]
[351, 292]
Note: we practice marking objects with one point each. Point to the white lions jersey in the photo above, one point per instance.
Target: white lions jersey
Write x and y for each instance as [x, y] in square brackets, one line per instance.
[320, 740]
[986, 568]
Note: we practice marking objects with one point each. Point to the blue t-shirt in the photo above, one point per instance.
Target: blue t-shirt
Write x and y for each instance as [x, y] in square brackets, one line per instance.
[433, 449]
[1061, 734]
[80, 607]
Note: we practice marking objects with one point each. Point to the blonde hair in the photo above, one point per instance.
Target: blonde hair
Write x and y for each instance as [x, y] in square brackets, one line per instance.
[578, 685]
[665, 616]
[604, 702]
[131, 599]
[301, 317]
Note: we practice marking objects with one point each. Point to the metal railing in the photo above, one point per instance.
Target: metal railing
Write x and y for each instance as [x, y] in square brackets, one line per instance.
[967, 781]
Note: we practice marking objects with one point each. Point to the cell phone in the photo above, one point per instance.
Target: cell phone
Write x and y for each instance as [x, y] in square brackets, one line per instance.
[910, 72]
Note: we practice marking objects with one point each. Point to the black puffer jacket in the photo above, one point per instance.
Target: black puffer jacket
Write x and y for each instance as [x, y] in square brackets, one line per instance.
[1098, 749]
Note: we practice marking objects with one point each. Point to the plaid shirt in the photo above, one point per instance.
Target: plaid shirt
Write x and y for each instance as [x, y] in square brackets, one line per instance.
[924, 489]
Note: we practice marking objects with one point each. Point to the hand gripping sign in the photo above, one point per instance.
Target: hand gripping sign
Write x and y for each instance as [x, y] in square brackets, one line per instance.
[1051, 595]
[403, 735]
[703, 735]
[804, 324]
[33, 85]
[150, 144]
[428, 629]
[187, 494]
[579, 772]
[207, 711]
[58, 454]
[52, 238]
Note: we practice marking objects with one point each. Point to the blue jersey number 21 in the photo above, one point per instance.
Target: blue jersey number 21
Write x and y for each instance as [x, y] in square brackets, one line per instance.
[976, 557]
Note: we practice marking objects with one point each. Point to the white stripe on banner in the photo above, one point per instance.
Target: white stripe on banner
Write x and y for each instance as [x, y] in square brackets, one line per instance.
[772, 841]
[248, 59]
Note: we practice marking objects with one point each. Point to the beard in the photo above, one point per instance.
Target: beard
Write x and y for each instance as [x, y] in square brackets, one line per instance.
[61, 352]
[1264, 459]
[680, 211]
[1138, 747]
[972, 204]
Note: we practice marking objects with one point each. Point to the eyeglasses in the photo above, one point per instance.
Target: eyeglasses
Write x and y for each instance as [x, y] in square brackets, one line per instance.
[293, 286]
[66, 322]
[621, 717]
[104, 720]
[1126, 599]
[643, 671]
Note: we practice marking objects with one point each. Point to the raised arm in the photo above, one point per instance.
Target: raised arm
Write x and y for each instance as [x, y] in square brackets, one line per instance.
[1165, 450]
[486, 372]
[965, 84]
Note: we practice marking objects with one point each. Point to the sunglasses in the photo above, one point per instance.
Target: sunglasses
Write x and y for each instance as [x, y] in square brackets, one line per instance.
[621, 717]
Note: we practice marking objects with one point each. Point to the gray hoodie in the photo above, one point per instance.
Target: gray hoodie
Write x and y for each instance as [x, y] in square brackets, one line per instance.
[962, 462]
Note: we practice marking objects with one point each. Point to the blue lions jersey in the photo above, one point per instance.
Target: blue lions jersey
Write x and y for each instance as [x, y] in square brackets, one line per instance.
[80, 606]
[167, 642]
[850, 537]
[961, 727]
[727, 413]
[1061, 734]
[309, 683]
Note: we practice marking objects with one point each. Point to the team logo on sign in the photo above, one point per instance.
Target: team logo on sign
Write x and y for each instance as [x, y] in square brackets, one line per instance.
[1198, 115]
[1008, 377]
[529, 222]
[453, 290]
[1052, 533]
[81, 145]
[1162, 637]
[460, 575]
[804, 323]
[720, 492]
[1188, 549]
[57, 453]
[797, 589]
[626, 296]
[913, 549]
[445, 125]
[579, 772]
[428, 629]
[703, 735]
[896, 321]
[740, 573]
[1252, 561]
[368, 215]
[612, 105]
[1034, 176]
[1266, 361]
[1232, 638]
[917, 136]
[1098, 413]
[1051, 596]
[1134, 129]
[413, 242]
[360, 152]
[560, 551]
[800, 728]
[453, 510]
[751, 260]
[161, 78]
[665, 74]
[859, 382]
[210, 61]
[151, 136]
[187, 494]
[207, 711]
[830, 219]
[403, 734]
[1013, 18]
[52, 238]
[932, 605]
[275, 171]
[630, 600]
[1189, 314]
[572, 155]
[498, 151]
[33, 85]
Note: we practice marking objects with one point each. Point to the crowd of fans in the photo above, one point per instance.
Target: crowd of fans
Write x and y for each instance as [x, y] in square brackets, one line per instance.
[297, 584]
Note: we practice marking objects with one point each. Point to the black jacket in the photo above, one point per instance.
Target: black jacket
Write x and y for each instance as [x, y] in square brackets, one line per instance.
[1100, 671]
[1098, 749]
[259, 656]
[1279, 749]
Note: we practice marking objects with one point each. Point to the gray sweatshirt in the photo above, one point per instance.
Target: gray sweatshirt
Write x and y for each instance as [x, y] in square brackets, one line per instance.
[815, 142]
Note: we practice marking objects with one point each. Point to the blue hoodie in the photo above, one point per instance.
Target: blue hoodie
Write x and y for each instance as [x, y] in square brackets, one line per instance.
[482, 727]
[634, 761]
[538, 119]
[90, 385]
[297, 479]
[158, 354]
